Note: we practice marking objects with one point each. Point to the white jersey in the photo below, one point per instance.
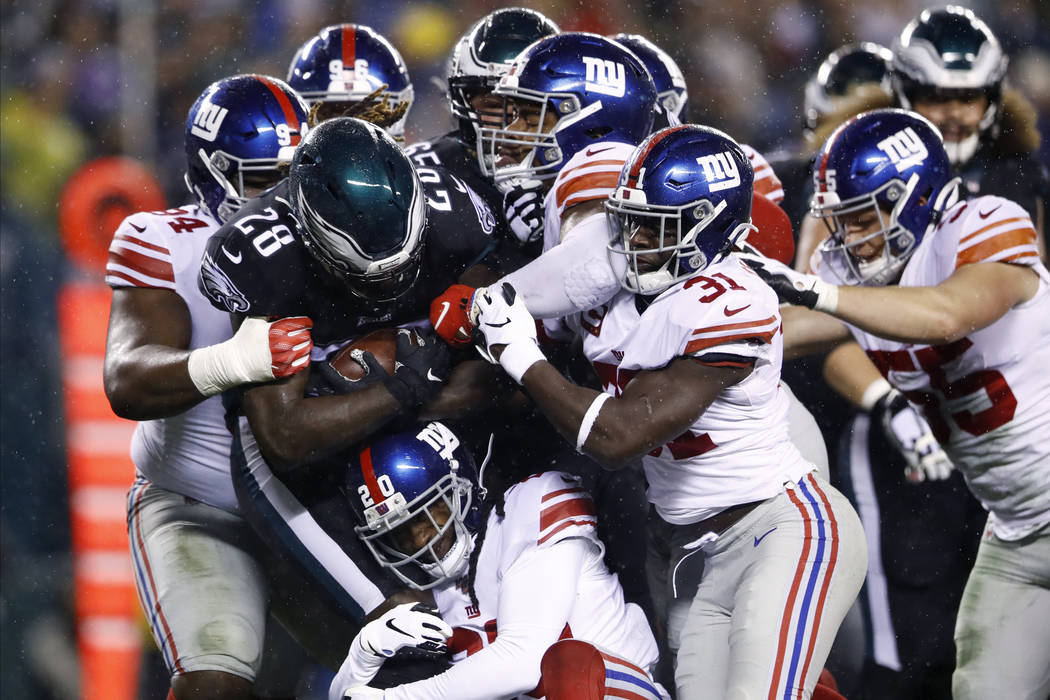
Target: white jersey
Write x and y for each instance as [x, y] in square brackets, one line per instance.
[986, 396]
[738, 450]
[188, 453]
[541, 511]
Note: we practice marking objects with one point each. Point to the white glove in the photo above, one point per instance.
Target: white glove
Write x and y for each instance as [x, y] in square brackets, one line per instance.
[361, 692]
[406, 625]
[504, 320]
[793, 287]
[260, 351]
[911, 435]
[523, 207]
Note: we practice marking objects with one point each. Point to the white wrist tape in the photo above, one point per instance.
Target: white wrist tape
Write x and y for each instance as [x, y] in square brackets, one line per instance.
[875, 391]
[588, 420]
[827, 297]
[519, 356]
[242, 359]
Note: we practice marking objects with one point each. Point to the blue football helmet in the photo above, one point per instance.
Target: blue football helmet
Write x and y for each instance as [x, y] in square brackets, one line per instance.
[892, 162]
[847, 67]
[237, 134]
[483, 55]
[683, 201]
[584, 89]
[344, 63]
[360, 206]
[414, 479]
[671, 91]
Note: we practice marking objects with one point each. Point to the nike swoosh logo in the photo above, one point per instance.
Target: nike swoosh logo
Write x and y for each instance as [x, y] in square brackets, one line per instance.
[734, 312]
[593, 151]
[432, 377]
[986, 214]
[441, 316]
[391, 625]
[140, 229]
[759, 539]
[235, 259]
[498, 325]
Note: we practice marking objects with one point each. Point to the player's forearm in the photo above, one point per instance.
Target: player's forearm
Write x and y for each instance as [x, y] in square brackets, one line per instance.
[292, 430]
[906, 314]
[850, 373]
[607, 439]
[149, 382]
[807, 332]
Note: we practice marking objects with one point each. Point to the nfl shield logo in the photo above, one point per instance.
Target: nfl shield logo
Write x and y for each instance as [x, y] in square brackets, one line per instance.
[382, 509]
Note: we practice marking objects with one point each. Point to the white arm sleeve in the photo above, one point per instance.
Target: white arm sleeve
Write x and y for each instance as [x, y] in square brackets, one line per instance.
[589, 275]
[535, 599]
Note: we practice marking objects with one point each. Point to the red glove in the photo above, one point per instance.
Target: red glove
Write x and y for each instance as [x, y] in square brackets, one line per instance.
[290, 345]
[451, 315]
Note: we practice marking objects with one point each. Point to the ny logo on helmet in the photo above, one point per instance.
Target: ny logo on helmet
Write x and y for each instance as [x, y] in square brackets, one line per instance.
[605, 76]
[208, 120]
[720, 170]
[443, 440]
[905, 149]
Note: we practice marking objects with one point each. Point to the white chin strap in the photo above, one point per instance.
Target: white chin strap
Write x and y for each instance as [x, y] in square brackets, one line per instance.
[960, 152]
[454, 564]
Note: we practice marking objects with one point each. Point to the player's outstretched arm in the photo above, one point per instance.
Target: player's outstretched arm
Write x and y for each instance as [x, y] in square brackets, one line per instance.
[150, 372]
[972, 298]
[656, 407]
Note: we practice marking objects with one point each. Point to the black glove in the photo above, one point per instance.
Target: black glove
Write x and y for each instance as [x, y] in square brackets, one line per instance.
[909, 432]
[325, 380]
[796, 288]
[421, 368]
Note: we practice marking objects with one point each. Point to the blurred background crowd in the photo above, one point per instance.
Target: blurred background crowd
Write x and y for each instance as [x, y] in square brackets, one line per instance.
[88, 78]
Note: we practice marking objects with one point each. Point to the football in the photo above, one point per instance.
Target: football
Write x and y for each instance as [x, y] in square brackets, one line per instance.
[382, 343]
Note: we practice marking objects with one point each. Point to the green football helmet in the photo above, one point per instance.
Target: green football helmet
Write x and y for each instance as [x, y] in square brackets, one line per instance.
[360, 206]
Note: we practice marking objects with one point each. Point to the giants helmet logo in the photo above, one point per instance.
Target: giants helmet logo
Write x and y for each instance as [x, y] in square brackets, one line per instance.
[720, 170]
[905, 149]
[208, 120]
[605, 77]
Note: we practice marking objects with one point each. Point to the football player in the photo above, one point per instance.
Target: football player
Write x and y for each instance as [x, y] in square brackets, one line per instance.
[349, 241]
[689, 353]
[951, 301]
[352, 70]
[169, 354]
[514, 568]
[479, 58]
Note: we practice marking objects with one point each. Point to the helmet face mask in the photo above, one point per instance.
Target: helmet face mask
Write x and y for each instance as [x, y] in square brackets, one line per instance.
[849, 255]
[882, 181]
[416, 496]
[360, 206]
[575, 89]
[240, 133]
[683, 202]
